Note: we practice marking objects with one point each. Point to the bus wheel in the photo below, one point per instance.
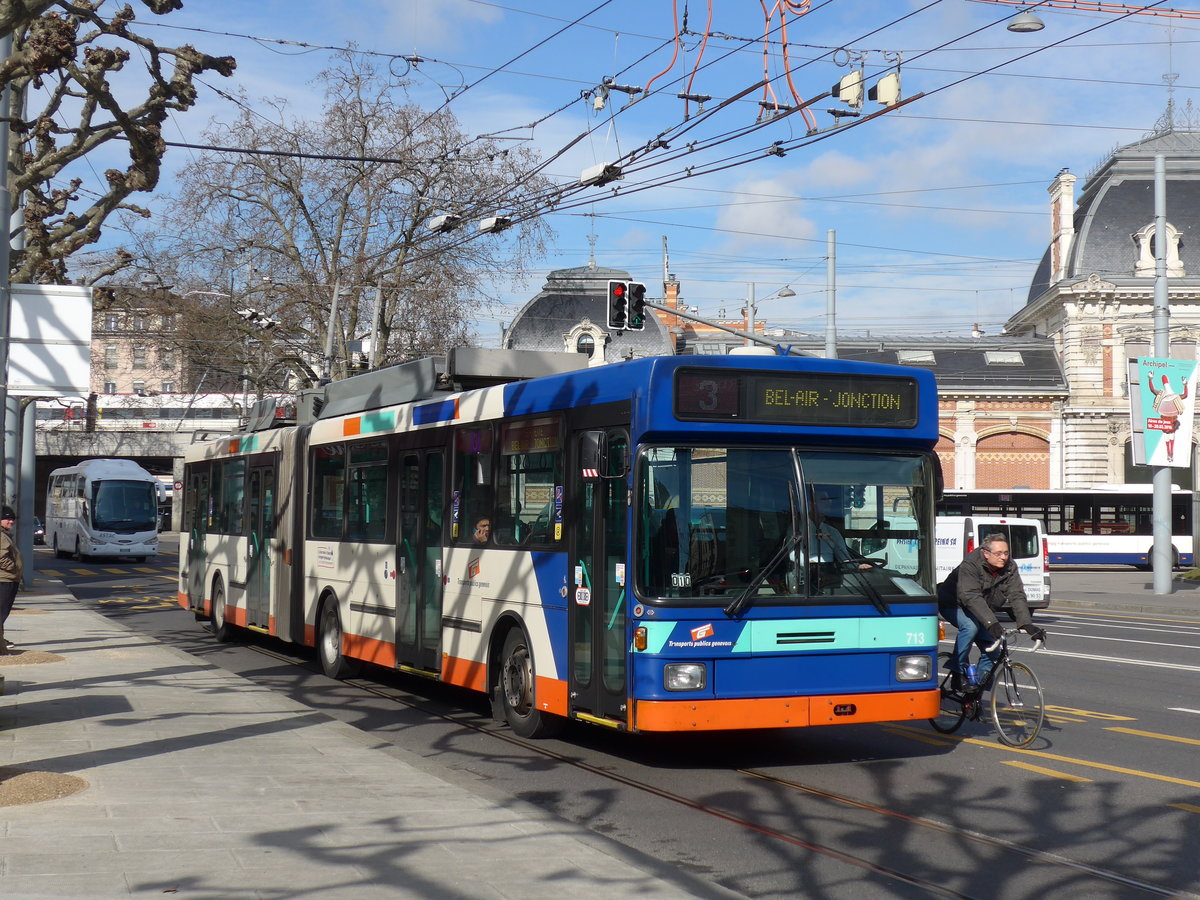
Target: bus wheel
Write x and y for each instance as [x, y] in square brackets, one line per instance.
[516, 690]
[59, 553]
[221, 628]
[79, 555]
[329, 642]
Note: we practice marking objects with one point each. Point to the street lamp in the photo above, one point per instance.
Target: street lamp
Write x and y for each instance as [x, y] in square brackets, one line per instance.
[1026, 23]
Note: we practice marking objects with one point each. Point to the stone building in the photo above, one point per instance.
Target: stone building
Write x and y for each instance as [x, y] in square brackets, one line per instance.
[1093, 295]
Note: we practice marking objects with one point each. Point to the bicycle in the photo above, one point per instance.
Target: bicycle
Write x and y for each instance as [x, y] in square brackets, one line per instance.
[1017, 704]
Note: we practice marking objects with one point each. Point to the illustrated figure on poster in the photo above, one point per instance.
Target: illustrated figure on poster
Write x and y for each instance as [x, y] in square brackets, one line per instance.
[1168, 405]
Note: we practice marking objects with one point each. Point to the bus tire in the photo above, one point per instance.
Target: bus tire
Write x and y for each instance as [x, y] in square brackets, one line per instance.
[221, 628]
[334, 662]
[59, 553]
[79, 554]
[516, 688]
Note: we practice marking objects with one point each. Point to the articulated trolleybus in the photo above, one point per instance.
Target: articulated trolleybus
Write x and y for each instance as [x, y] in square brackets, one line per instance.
[665, 544]
[103, 507]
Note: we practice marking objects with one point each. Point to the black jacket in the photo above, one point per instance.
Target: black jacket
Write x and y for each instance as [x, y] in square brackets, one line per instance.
[973, 587]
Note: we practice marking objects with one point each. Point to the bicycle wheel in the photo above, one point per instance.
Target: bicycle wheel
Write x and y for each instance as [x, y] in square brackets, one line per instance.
[952, 712]
[1018, 708]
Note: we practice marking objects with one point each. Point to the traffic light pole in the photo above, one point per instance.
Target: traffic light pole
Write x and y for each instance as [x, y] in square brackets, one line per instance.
[778, 348]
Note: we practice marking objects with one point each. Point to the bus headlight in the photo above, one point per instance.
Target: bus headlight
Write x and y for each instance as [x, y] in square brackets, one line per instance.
[685, 676]
[914, 668]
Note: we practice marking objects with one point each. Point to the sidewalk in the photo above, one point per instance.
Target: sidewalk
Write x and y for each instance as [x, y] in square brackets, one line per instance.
[197, 783]
[1098, 591]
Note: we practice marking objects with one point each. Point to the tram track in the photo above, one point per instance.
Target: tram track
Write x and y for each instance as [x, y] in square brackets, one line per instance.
[1028, 855]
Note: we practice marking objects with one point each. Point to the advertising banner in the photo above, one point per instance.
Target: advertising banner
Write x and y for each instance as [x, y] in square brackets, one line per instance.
[1161, 406]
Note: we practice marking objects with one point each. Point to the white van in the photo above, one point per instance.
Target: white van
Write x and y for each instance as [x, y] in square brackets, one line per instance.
[959, 535]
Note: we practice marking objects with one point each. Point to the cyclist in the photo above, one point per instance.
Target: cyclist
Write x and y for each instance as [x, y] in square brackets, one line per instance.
[986, 581]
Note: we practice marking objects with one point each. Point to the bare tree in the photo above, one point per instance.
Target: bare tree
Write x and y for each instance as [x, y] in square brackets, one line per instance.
[345, 199]
[69, 56]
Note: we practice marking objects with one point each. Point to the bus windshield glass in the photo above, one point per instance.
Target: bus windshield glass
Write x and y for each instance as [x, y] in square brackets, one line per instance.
[829, 525]
[124, 506]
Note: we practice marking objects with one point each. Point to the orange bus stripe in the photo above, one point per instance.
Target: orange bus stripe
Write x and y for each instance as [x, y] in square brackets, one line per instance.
[464, 672]
[351, 426]
[551, 696]
[782, 712]
[370, 650]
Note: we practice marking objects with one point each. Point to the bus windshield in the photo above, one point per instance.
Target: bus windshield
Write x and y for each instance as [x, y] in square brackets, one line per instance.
[828, 524]
[124, 506]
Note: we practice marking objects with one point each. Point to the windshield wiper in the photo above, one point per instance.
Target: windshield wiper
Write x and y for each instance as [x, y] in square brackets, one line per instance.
[742, 601]
[870, 590]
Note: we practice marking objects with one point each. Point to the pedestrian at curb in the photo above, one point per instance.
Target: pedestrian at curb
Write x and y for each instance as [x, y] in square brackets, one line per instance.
[10, 570]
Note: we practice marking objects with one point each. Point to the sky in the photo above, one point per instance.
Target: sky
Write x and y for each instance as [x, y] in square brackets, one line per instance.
[939, 207]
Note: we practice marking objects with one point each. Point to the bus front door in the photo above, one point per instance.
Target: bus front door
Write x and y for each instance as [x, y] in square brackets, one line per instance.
[596, 605]
[197, 530]
[418, 569]
[259, 542]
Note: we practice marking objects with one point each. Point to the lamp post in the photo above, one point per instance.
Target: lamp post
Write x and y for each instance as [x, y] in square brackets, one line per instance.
[752, 306]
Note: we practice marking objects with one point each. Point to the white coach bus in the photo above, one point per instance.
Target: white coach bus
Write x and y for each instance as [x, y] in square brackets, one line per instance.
[103, 507]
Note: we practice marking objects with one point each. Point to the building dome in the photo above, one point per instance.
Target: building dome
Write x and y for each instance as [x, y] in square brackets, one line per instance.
[571, 313]
[1113, 223]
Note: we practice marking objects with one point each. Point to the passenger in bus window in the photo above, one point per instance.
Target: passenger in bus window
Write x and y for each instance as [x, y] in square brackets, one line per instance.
[483, 531]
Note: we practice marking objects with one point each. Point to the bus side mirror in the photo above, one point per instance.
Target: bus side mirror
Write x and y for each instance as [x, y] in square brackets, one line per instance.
[592, 455]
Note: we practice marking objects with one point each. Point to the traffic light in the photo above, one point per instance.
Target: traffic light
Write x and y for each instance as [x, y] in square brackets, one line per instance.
[618, 304]
[850, 89]
[637, 306]
[887, 90]
[858, 496]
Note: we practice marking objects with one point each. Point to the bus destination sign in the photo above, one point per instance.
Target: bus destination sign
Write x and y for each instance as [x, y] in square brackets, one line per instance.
[797, 398]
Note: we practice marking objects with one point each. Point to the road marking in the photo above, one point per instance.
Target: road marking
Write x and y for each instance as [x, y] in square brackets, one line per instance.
[1041, 754]
[1161, 737]
[1065, 776]
[1144, 663]
[81, 571]
[146, 569]
[1091, 714]
[1182, 709]
[1186, 807]
[924, 738]
[1083, 615]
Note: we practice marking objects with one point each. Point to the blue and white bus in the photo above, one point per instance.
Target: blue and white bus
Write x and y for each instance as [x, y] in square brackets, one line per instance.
[635, 545]
[102, 507]
[1109, 524]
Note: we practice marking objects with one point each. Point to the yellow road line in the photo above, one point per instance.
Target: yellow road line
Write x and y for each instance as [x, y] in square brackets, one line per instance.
[1151, 734]
[81, 571]
[934, 739]
[1043, 771]
[1040, 754]
[1186, 807]
[146, 569]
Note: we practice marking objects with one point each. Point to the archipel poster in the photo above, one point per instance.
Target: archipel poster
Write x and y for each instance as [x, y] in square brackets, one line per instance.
[1162, 402]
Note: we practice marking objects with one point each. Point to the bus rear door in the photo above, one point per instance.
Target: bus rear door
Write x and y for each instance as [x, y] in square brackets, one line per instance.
[418, 569]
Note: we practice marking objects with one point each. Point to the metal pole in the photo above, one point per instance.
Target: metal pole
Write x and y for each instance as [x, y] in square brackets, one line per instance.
[376, 317]
[831, 295]
[750, 308]
[5, 276]
[1162, 555]
[327, 364]
[28, 473]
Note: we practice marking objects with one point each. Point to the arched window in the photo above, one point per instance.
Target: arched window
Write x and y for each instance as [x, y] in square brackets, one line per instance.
[586, 344]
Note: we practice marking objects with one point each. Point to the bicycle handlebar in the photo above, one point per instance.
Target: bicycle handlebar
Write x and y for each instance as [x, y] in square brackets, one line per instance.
[1009, 632]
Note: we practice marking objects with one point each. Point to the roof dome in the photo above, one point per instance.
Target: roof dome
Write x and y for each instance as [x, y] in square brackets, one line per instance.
[568, 297]
[1117, 202]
